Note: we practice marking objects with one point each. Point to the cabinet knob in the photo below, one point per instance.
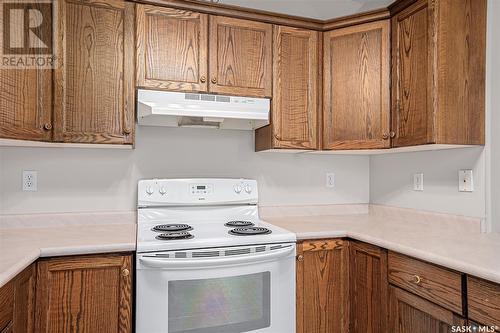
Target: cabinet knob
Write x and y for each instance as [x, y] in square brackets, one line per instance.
[417, 279]
[385, 136]
[300, 257]
[203, 79]
[214, 80]
[47, 126]
[127, 130]
[125, 272]
[392, 134]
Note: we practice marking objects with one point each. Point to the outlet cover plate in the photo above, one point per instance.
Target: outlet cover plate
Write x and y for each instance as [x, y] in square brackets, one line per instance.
[465, 181]
[418, 182]
[30, 180]
[330, 180]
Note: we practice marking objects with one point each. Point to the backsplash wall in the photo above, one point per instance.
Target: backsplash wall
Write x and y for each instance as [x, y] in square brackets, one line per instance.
[78, 180]
[391, 181]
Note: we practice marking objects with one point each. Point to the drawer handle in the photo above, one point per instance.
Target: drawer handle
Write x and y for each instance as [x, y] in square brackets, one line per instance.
[47, 126]
[214, 80]
[300, 257]
[125, 272]
[203, 79]
[417, 279]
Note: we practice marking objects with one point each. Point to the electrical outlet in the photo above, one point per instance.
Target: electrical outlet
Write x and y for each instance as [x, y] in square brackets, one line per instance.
[418, 182]
[330, 180]
[465, 181]
[30, 179]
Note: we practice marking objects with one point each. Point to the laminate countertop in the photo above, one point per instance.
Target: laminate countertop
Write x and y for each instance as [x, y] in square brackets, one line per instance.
[454, 243]
[19, 247]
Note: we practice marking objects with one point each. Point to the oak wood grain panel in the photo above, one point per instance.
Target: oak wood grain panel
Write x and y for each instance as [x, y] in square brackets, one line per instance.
[240, 60]
[84, 294]
[483, 301]
[412, 314]
[439, 285]
[172, 47]
[325, 286]
[295, 88]
[413, 78]
[368, 288]
[26, 95]
[6, 305]
[24, 300]
[461, 71]
[94, 83]
[356, 96]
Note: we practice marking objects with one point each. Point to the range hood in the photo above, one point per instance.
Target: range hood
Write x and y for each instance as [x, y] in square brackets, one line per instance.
[176, 109]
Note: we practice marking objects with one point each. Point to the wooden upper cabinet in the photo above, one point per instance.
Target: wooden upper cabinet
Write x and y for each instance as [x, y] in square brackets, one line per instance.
[411, 314]
[356, 96]
[84, 294]
[413, 84]
[172, 48]
[368, 288]
[240, 57]
[94, 82]
[26, 94]
[322, 286]
[439, 73]
[295, 88]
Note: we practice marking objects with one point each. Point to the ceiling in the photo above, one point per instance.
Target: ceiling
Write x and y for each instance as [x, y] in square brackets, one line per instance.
[318, 9]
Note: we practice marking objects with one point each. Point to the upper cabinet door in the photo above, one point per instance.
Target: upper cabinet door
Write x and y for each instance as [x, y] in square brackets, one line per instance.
[412, 76]
[26, 93]
[240, 57]
[94, 82]
[172, 49]
[295, 88]
[356, 95]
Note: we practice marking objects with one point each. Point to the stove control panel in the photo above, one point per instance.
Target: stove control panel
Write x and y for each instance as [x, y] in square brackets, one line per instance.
[201, 189]
[197, 191]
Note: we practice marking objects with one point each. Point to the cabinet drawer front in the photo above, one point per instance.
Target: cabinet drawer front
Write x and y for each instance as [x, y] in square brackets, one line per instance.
[6, 304]
[483, 301]
[431, 282]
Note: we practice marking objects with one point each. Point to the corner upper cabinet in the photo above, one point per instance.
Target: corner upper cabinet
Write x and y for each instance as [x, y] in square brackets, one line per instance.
[438, 72]
[26, 93]
[240, 57]
[294, 112]
[172, 48]
[356, 95]
[94, 80]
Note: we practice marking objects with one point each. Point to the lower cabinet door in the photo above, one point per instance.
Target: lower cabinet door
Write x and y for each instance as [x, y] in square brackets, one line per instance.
[84, 294]
[322, 286]
[412, 314]
[367, 288]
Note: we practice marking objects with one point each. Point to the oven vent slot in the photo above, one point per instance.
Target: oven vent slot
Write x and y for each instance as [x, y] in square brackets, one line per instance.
[260, 249]
[180, 254]
[275, 247]
[237, 252]
[205, 254]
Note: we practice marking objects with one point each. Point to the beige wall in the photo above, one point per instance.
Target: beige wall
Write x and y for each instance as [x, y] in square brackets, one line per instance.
[73, 180]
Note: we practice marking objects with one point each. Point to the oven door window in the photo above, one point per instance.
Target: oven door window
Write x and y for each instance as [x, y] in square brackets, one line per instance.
[219, 305]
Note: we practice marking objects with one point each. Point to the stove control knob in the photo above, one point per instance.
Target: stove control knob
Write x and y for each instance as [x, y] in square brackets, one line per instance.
[149, 190]
[248, 189]
[163, 190]
[237, 189]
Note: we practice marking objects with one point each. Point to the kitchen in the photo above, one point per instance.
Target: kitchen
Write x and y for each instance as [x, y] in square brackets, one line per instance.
[383, 238]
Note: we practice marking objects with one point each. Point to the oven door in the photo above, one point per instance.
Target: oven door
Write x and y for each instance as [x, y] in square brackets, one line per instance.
[253, 292]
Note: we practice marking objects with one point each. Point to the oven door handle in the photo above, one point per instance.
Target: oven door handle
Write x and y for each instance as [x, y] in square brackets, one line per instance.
[197, 263]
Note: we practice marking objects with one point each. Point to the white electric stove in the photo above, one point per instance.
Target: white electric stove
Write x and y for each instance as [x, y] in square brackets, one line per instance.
[207, 263]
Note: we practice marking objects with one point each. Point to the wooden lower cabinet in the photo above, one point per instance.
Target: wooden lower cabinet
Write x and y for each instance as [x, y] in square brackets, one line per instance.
[322, 286]
[411, 314]
[84, 294]
[367, 288]
[17, 300]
